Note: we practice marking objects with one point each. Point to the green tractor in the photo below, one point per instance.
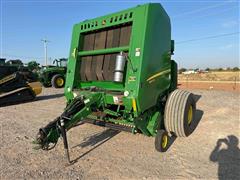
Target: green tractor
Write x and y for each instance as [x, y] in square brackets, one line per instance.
[54, 75]
[120, 75]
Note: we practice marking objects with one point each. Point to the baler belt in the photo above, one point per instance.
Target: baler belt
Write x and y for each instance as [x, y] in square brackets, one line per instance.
[84, 60]
[82, 69]
[125, 35]
[113, 42]
[101, 67]
[89, 43]
[112, 66]
[100, 41]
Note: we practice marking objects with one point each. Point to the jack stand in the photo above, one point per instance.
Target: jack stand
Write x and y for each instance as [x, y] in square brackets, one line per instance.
[65, 142]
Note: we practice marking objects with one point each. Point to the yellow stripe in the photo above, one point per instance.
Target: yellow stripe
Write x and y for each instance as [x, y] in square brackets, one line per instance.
[134, 105]
[7, 78]
[158, 74]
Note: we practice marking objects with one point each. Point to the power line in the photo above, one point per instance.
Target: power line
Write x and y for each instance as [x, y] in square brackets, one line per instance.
[207, 37]
[208, 15]
[201, 9]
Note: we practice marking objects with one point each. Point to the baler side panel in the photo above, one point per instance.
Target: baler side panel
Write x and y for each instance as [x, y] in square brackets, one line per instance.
[133, 83]
[155, 69]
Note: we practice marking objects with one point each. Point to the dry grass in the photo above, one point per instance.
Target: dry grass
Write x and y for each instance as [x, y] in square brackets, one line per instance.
[211, 76]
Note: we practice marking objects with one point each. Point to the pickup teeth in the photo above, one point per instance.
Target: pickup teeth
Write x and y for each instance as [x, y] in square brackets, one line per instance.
[126, 125]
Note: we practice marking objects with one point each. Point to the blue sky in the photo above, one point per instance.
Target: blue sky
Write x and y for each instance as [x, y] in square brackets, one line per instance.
[25, 23]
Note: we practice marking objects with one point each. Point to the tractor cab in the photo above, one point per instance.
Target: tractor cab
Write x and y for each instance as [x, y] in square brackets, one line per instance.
[62, 62]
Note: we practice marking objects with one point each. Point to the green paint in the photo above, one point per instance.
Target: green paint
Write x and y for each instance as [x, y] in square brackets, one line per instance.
[149, 51]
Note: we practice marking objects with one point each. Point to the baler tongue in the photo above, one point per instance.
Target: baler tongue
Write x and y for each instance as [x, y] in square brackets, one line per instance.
[78, 109]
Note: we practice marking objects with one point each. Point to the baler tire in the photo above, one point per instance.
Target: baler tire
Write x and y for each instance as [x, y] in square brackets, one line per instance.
[162, 141]
[55, 79]
[179, 113]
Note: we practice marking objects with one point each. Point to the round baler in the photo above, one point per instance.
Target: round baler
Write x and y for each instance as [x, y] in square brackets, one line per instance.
[120, 75]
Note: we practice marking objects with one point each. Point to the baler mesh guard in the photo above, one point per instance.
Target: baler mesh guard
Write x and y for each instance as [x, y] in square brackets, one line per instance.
[101, 67]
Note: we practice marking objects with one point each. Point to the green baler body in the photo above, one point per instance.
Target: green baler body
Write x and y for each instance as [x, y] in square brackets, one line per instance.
[144, 33]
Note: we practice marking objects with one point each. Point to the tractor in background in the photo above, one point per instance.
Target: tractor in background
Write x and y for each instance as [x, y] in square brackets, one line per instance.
[54, 75]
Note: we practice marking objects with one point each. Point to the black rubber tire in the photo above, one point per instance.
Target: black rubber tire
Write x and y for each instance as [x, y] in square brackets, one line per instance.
[176, 113]
[46, 85]
[54, 81]
[159, 140]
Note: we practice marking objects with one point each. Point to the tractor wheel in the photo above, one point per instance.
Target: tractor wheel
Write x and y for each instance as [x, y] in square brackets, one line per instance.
[58, 81]
[179, 113]
[162, 141]
[46, 85]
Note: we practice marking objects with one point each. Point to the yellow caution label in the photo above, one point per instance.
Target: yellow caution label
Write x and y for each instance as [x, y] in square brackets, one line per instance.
[74, 53]
[134, 105]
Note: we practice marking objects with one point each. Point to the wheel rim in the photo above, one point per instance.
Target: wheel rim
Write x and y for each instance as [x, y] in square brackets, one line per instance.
[190, 114]
[164, 141]
[60, 81]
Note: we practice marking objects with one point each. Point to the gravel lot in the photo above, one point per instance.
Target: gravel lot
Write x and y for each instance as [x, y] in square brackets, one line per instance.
[101, 153]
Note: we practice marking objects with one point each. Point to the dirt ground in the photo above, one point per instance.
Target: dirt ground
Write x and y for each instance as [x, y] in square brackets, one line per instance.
[212, 76]
[213, 80]
[101, 153]
[211, 85]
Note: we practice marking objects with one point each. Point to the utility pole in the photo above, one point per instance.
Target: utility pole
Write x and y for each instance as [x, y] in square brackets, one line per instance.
[45, 41]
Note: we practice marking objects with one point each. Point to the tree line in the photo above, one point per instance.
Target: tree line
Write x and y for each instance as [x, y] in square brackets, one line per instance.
[181, 70]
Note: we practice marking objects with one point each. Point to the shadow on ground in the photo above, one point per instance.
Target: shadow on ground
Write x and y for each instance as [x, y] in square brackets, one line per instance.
[197, 119]
[96, 140]
[196, 97]
[198, 114]
[228, 158]
[47, 97]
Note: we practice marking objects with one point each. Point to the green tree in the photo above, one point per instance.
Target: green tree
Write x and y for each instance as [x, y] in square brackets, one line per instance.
[180, 71]
[33, 65]
[235, 69]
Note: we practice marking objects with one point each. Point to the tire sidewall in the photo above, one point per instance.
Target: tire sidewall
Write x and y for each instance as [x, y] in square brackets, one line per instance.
[54, 83]
[188, 128]
[158, 141]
